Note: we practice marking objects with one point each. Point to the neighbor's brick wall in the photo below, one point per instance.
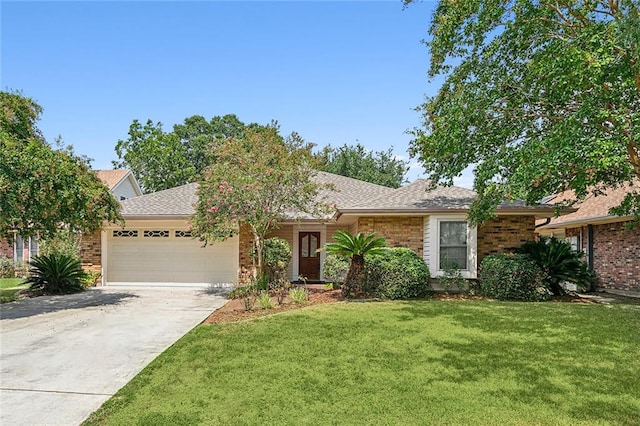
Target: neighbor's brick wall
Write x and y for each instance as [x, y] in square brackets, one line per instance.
[616, 255]
[6, 249]
[244, 252]
[399, 231]
[91, 252]
[504, 233]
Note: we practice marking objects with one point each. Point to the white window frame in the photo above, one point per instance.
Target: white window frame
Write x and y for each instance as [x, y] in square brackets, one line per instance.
[472, 246]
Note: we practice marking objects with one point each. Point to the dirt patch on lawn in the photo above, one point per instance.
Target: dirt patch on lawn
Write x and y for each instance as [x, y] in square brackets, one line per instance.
[234, 310]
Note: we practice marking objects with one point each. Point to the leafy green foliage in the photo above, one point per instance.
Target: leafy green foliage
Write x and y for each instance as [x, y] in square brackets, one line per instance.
[355, 247]
[380, 167]
[506, 277]
[264, 300]
[335, 268]
[560, 263]
[452, 276]
[42, 188]
[62, 242]
[55, 274]
[397, 273]
[276, 256]
[540, 96]
[299, 295]
[157, 159]
[162, 160]
[256, 181]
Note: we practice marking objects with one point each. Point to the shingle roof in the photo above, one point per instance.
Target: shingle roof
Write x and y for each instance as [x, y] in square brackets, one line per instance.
[592, 207]
[178, 201]
[350, 196]
[418, 196]
[345, 192]
[111, 177]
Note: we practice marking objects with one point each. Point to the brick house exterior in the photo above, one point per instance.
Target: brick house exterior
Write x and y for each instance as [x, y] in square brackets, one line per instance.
[414, 216]
[611, 246]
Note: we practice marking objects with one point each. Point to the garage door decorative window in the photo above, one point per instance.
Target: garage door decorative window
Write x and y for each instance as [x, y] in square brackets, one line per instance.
[156, 234]
[183, 234]
[124, 233]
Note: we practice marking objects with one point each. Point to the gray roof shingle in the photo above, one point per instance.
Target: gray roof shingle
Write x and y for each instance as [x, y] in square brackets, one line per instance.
[350, 196]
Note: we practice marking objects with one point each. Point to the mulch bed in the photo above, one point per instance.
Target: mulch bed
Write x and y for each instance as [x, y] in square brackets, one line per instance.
[234, 310]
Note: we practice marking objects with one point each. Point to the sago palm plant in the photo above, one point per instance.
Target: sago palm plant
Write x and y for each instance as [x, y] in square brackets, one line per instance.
[55, 274]
[354, 247]
[560, 263]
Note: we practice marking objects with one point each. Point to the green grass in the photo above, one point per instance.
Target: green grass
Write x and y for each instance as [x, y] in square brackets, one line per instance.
[9, 287]
[397, 363]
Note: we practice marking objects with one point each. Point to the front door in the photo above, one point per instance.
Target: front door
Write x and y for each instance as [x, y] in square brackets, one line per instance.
[309, 258]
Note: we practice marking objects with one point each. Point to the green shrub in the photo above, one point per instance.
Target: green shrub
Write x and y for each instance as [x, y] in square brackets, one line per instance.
[560, 262]
[55, 274]
[63, 242]
[7, 268]
[91, 279]
[335, 269]
[396, 273]
[276, 255]
[452, 277]
[512, 277]
[298, 295]
[264, 300]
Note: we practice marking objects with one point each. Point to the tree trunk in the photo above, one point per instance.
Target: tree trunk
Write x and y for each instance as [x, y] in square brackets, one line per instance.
[354, 275]
[258, 243]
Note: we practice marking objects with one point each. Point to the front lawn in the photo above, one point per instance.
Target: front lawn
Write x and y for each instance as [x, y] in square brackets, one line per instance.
[9, 287]
[397, 363]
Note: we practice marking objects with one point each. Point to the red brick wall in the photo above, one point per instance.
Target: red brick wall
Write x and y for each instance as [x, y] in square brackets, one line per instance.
[399, 231]
[244, 253]
[616, 255]
[6, 249]
[504, 233]
[91, 252]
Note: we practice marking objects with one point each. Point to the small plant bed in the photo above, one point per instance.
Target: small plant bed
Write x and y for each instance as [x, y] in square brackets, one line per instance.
[235, 310]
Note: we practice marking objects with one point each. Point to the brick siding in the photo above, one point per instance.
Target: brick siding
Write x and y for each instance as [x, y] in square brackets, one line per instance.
[504, 233]
[91, 252]
[616, 255]
[399, 231]
[6, 249]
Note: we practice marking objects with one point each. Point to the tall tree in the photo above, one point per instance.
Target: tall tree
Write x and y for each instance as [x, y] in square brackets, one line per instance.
[41, 188]
[157, 159]
[380, 167]
[162, 160]
[542, 96]
[256, 181]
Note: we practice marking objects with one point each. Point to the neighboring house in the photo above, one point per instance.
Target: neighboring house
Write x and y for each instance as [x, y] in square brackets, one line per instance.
[612, 249]
[122, 185]
[156, 245]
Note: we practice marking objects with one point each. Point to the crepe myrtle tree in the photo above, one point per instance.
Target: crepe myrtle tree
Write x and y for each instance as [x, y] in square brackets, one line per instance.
[256, 181]
[541, 96]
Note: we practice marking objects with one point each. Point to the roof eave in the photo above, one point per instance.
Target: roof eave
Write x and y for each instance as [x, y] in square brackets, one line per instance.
[587, 221]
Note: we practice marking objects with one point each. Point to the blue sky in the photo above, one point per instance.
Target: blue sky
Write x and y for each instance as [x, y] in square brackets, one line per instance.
[336, 72]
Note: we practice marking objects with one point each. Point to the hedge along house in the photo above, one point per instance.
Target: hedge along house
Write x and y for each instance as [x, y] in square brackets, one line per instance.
[611, 246]
[156, 245]
[121, 183]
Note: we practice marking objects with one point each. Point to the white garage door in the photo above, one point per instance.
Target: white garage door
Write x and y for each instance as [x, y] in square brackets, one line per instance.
[168, 256]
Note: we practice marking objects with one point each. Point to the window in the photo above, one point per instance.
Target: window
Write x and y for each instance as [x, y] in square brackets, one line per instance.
[25, 249]
[453, 244]
[19, 249]
[575, 242]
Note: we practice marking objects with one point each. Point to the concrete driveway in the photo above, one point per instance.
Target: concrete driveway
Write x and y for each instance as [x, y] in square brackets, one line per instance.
[61, 357]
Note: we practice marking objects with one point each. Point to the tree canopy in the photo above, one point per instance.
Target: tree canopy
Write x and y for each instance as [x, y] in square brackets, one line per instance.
[541, 96]
[380, 167]
[41, 188]
[162, 160]
[258, 179]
